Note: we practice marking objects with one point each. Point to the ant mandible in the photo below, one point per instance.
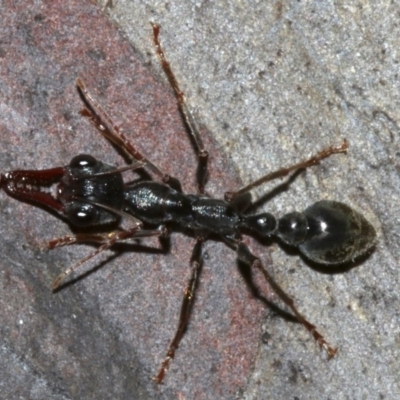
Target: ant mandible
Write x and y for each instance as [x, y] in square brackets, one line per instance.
[91, 193]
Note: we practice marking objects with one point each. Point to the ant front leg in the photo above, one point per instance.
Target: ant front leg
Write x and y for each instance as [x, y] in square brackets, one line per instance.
[186, 309]
[106, 240]
[102, 238]
[232, 196]
[193, 130]
[245, 255]
[105, 125]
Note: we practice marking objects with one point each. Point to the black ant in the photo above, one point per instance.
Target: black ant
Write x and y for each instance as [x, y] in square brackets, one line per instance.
[90, 193]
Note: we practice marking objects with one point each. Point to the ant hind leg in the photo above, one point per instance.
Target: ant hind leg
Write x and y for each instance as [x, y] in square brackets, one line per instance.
[325, 153]
[246, 256]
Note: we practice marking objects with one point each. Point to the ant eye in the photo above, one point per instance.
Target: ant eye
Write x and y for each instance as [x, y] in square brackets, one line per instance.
[82, 215]
[292, 228]
[83, 161]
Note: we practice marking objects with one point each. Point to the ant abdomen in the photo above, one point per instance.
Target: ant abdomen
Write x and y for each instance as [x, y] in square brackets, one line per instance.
[328, 232]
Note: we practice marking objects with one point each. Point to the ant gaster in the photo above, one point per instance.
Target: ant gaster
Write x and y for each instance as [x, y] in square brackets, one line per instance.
[91, 193]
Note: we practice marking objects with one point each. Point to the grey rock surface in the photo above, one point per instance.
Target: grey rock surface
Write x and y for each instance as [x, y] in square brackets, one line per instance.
[273, 83]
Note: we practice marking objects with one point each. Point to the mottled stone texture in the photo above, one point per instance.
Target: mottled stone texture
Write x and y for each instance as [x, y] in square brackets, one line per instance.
[104, 336]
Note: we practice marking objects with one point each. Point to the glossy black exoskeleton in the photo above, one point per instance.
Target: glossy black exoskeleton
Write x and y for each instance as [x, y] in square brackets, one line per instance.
[90, 193]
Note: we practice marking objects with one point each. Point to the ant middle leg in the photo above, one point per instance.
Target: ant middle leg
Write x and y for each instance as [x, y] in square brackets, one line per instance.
[245, 255]
[325, 153]
[105, 125]
[193, 130]
[186, 309]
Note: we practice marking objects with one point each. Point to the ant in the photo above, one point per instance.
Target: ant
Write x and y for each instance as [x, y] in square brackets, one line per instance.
[92, 194]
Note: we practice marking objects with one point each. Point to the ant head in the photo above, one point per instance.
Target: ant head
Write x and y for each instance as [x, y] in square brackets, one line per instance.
[90, 192]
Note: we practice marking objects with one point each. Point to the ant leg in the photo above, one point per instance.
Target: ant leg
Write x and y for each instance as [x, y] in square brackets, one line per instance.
[105, 125]
[245, 255]
[107, 240]
[102, 238]
[231, 196]
[193, 130]
[186, 309]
